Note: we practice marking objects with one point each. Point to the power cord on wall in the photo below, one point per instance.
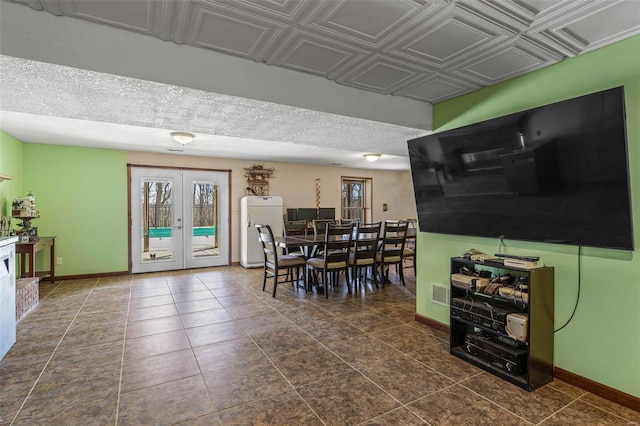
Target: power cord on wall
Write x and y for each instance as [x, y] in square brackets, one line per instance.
[575, 307]
[501, 243]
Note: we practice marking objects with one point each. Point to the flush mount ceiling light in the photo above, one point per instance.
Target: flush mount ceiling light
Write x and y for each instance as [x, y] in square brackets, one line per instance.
[372, 157]
[183, 138]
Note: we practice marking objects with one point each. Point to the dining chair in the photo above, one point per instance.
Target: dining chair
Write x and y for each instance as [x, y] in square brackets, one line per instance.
[352, 222]
[294, 228]
[278, 265]
[320, 225]
[335, 256]
[391, 248]
[363, 253]
[410, 251]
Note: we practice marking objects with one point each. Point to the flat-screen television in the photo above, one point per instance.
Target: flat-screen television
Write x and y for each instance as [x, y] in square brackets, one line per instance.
[558, 173]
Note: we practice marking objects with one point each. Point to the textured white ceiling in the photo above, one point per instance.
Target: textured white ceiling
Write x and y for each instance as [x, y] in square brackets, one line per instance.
[424, 50]
[74, 105]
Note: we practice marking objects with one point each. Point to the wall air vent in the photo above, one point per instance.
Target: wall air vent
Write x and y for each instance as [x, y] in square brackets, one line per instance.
[439, 294]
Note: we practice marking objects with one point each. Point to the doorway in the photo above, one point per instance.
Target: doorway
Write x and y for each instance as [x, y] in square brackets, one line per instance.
[179, 219]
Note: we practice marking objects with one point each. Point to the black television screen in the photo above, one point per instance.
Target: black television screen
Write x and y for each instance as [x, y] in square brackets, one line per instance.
[557, 173]
[310, 214]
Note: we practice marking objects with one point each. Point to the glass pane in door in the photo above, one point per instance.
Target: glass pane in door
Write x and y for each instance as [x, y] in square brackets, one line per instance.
[205, 219]
[157, 220]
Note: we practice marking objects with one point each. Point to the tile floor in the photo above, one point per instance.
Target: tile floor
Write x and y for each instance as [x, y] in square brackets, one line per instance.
[208, 347]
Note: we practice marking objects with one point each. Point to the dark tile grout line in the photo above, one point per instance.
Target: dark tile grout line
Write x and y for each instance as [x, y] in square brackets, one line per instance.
[124, 347]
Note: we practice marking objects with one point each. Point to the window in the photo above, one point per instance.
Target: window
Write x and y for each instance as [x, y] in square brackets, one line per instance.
[356, 200]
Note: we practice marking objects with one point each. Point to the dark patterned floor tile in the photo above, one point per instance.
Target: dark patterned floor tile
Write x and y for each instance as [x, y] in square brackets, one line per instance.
[534, 406]
[282, 409]
[154, 370]
[581, 413]
[349, 398]
[237, 384]
[459, 406]
[437, 356]
[398, 417]
[165, 404]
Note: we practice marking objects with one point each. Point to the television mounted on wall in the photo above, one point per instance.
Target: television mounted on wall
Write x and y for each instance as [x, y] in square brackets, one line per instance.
[557, 174]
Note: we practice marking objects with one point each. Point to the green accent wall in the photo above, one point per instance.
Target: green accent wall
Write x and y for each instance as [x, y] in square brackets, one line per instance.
[82, 197]
[602, 341]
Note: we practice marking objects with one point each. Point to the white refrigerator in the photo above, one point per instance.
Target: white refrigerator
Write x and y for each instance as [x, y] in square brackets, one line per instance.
[267, 210]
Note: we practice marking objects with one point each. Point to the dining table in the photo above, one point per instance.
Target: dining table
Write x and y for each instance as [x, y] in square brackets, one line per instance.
[309, 243]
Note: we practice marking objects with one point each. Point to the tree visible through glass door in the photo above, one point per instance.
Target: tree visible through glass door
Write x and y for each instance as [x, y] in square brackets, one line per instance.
[205, 215]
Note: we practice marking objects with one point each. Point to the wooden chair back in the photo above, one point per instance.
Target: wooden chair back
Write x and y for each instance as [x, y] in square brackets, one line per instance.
[295, 227]
[265, 234]
[337, 243]
[320, 225]
[392, 242]
[365, 243]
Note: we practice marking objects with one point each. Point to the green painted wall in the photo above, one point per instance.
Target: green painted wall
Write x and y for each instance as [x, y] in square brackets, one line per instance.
[82, 198]
[602, 341]
[10, 164]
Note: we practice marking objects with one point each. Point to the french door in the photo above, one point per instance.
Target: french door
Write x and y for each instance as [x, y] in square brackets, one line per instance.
[179, 219]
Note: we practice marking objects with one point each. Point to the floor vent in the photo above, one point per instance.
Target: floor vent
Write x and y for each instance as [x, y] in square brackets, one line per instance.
[439, 294]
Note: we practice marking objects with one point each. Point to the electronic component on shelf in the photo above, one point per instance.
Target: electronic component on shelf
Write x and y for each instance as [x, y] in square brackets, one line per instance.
[502, 364]
[489, 349]
[494, 261]
[477, 310]
[517, 326]
[468, 282]
[518, 295]
[524, 264]
[490, 342]
[475, 255]
[515, 256]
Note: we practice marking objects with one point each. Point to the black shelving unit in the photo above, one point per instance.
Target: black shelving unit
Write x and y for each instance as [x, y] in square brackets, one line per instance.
[478, 330]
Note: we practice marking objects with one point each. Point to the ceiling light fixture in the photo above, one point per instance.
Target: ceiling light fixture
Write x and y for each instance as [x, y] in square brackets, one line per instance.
[183, 138]
[372, 157]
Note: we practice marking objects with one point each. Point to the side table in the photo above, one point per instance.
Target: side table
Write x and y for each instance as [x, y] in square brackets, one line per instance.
[29, 250]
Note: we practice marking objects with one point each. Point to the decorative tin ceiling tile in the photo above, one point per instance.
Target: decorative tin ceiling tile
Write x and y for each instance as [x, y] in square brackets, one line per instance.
[285, 10]
[365, 23]
[450, 35]
[314, 54]
[506, 61]
[131, 15]
[583, 30]
[216, 27]
[383, 75]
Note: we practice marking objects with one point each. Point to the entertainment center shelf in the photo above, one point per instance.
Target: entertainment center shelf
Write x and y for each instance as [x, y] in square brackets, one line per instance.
[505, 328]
